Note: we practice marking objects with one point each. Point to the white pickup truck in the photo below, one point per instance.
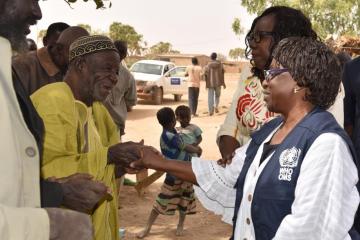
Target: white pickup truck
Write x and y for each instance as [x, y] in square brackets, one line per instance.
[154, 79]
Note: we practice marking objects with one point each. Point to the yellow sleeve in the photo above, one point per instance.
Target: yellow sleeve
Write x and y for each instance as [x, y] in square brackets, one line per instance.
[62, 151]
[64, 140]
[106, 126]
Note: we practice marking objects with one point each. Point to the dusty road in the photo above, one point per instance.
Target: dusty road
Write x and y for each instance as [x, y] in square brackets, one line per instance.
[142, 124]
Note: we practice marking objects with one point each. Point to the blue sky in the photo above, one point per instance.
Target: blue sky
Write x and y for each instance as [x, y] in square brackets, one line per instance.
[191, 26]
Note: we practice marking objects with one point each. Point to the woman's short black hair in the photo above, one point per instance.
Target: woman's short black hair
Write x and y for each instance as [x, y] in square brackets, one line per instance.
[183, 111]
[165, 116]
[194, 61]
[289, 22]
[313, 66]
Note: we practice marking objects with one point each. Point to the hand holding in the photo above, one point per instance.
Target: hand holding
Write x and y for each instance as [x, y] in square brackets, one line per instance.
[69, 225]
[82, 193]
[120, 171]
[150, 157]
[123, 154]
[228, 145]
[226, 160]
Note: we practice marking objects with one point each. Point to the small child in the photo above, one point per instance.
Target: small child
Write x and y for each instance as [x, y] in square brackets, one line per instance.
[175, 194]
[189, 133]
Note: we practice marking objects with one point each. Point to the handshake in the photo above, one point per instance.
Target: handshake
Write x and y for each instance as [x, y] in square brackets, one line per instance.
[82, 193]
[131, 157]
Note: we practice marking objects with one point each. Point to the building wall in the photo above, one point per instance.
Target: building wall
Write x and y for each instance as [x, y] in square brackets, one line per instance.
[185, 60]
[235, 67]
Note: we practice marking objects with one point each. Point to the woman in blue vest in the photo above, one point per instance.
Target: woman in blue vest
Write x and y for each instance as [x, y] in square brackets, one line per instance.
[296, 178]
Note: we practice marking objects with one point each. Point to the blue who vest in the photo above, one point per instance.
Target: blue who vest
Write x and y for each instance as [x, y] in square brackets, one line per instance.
[273, 198]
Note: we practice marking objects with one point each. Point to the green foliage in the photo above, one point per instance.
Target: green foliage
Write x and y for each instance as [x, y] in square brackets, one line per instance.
[119, 31]
[99, 3]
[237, 53]
[327, 16]
[161, 48]
[236, 27]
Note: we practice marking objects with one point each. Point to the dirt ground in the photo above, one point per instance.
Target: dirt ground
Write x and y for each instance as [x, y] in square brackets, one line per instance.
[142, 124]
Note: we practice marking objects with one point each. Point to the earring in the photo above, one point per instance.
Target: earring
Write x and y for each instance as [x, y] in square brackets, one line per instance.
[296, 90]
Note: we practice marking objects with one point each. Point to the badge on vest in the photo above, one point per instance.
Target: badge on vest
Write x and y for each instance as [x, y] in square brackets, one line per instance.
[288, 161]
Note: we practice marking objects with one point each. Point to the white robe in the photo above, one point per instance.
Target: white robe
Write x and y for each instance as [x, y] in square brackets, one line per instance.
[20, 214]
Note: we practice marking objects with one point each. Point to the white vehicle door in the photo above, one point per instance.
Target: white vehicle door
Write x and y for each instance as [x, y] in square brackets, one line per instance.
[175, 81]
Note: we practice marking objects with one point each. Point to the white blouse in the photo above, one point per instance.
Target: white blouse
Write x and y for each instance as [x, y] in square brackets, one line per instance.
[326, 197]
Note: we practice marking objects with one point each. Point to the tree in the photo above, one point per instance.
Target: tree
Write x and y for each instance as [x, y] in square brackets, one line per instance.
[119, 31]
[328, 17]
[99, 3]
[161, 48]
[236, 27]
[237, 53]
[87, 27]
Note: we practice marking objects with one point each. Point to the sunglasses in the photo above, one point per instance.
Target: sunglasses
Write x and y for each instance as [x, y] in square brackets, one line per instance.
[271, 73]
[258, 36]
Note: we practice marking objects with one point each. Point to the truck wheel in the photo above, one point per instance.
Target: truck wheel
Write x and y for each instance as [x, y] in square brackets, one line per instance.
[158, 96]
[177, 97]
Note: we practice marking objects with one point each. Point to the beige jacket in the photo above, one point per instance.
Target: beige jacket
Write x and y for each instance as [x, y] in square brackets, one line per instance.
[20, 215]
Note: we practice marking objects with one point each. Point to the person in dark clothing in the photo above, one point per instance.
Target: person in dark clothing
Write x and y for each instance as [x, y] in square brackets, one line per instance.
[48, 64]
[53, 32]
[351, 81]
[214, 78]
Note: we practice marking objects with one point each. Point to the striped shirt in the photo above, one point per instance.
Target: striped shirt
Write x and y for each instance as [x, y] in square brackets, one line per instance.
[172, 146]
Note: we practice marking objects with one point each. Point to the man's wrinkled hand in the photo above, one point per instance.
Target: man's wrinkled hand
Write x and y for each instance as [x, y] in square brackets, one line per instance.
[120, 171]
[123, 154]
[82, 193]
[69, 225]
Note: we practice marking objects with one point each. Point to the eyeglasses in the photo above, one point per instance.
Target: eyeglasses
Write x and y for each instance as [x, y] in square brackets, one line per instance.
[257, 36]
[271, 73]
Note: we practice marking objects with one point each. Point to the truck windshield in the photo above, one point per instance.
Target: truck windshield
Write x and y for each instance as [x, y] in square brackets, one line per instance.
[147, 68]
